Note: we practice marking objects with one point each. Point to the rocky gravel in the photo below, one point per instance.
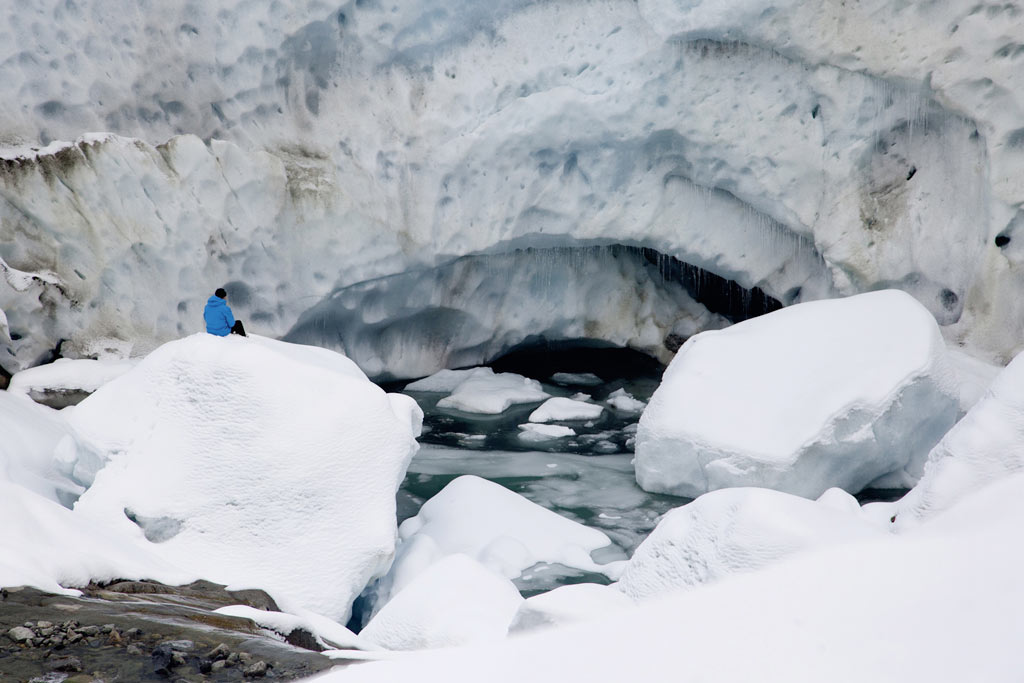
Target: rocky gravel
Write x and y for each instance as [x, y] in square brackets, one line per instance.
[141, 631]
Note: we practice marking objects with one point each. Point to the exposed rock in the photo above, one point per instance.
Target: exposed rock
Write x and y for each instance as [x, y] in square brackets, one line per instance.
[20, 634]
[256, 670]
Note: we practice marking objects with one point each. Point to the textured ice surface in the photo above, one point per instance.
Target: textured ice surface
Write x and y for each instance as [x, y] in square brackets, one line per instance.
[827, 393]
[261, 464]
[735, 530]
[986, 446]
[807, 149]
[455, 601]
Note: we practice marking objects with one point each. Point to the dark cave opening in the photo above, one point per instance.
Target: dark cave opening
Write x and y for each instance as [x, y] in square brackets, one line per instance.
[541, 358]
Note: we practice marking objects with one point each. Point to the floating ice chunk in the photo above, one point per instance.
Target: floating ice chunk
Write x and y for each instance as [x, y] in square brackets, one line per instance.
[543, 432]
[502, 530]
[45, 545]
[560, 408]
[986, 445]
[483, 391]
[579, 379]
[454, 602]
[446, 381]
[568, 604]
[279, 462]
[822, 394]
[734, 530]
[623, 402]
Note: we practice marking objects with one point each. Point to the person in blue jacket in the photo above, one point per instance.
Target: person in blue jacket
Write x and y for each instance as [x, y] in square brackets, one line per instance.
[219, 319]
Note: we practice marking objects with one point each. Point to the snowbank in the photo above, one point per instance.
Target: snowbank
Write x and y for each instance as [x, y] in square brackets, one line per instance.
[41, 451]
[453, 602]
[891, 608]
[985, 446]
[735, 530]
[253, 463]
[822, 394]
[569, 604]
[45, 545]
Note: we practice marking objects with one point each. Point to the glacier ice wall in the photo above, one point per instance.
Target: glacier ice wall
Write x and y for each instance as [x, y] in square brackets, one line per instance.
[296, 150]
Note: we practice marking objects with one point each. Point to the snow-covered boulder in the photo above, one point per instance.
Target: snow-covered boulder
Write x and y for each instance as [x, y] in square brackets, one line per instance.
[454, 602]
[500, 529]
[735, 530]
[560, 408]
[254, 463]
[822, 394]
[985, 446]
[568, 604]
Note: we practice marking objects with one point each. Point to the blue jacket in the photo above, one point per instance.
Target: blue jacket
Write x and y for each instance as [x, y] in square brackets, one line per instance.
[219, 319]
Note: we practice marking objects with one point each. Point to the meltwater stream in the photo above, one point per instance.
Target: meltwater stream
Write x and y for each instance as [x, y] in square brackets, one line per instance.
[588, 477]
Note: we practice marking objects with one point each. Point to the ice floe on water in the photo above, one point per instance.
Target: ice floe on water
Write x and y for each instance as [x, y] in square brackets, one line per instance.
[563, 409]
[481, 390]
[821, 394]
[534, 433]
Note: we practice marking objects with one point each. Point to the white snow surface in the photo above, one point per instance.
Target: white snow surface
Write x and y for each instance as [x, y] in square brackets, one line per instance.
[487, 392]
[328, 633]
[974, 376]
[46, 545]
[455, 601]
[816, 616]
[294, 150]
[40, 451]
[817, 395]
[568, 604]
[736, 530]
[253, 463]
[501, 530]
[559, 408]
[986, 446]
[86, 374]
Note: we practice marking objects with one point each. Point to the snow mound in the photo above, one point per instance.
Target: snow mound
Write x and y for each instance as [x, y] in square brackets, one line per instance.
[561, 408]
[734, 530]
[543, 432]
[254, 463]
[501, 530]
[483, 391]
[822, 394]
[45, 545]
[568, 604]
[40, 451]
[985, 446]
[454, 602]
[974, 376]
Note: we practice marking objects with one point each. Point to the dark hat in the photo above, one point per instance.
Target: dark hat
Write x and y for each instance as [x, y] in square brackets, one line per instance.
[221, 293]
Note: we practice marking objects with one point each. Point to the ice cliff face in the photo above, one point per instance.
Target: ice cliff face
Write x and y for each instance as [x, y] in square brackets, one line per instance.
[295, 151]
